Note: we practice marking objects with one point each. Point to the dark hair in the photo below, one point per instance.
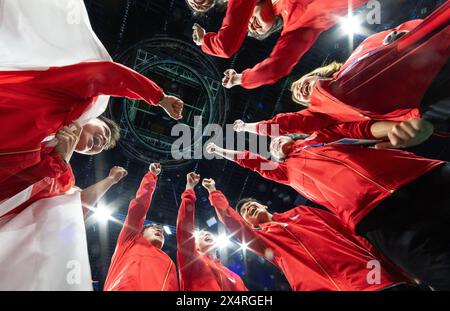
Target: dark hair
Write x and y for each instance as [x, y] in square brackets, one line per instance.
[151, 226]
[276, 27]
[115, 132]
[242, 202]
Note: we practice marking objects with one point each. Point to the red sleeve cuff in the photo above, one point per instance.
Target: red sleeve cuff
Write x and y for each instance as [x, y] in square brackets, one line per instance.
[244, 83]
[188, 194]
[218, 199]
[366, 130]
[151, 176]
[60, 161]
[159, 96]
[215, 193]
[206, 43]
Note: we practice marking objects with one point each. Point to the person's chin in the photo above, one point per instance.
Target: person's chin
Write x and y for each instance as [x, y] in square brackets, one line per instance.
[83, 151]
[80, 150]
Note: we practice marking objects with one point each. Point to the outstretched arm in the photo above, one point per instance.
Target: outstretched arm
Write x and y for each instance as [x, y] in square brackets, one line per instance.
[139, 206]
[300, 122]
[233, 31]
[91, 79]
[92, 194]
[266, 168]
[234, 223]
[290, 48]
[186, 252]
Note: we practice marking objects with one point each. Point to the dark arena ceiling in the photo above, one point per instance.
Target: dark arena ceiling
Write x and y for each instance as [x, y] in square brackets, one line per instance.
[154, 38]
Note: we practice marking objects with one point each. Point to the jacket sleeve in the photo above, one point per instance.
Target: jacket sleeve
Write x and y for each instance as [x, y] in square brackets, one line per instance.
[235, 224]
[358, 129]
[51, 166]
[186, 252]
[287, 52]
[91, 79]
[275, 171]
[138, 208]
[233, 31]
[300, 122]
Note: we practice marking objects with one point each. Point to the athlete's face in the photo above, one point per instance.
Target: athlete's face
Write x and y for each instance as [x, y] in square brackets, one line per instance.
[94, 137]
[200, 5]
[205, 241]
[154, 235]
[262, 19]
[303, 89]
[281, 146]
[254, 213]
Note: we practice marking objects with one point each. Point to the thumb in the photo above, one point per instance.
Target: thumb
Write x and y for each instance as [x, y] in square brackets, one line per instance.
[78, 129]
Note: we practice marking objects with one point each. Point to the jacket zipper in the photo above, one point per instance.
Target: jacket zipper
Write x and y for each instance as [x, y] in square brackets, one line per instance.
[167, 275]
[354, 170]
[312, 257]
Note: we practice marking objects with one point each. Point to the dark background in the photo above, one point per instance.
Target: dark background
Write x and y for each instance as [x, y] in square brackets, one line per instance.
[121, 24]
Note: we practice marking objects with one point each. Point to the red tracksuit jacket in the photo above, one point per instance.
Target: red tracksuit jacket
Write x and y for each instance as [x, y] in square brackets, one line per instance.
[400, 103]
[233, 31]
[198, 272]
[303, 22]
[312, 248]
[136, 264]
[50, 177]
[350, 180]
[326, 110]
[389, 80]
[35, 104]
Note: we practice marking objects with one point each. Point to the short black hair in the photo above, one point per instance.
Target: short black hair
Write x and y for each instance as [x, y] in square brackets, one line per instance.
[114, 129]
[242, 202]
[152, 225]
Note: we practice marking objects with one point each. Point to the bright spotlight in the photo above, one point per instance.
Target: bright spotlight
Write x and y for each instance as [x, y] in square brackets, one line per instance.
[222, 241]
[243, 246]
[351, 25]
[167, 230]
[102, 213]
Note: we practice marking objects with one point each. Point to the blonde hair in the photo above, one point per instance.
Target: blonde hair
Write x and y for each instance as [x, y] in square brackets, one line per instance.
[324, 72]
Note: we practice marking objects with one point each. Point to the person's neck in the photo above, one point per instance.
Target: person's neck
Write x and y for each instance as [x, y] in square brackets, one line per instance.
[289, 147]
[156, 244]
[269, 219]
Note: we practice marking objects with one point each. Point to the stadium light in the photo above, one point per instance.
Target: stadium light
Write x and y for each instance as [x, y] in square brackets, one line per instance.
[102, 213]
[243, 246]
[222, 241]
[351, 24]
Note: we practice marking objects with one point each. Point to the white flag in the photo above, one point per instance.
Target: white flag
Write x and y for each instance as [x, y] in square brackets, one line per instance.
[44, 247]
